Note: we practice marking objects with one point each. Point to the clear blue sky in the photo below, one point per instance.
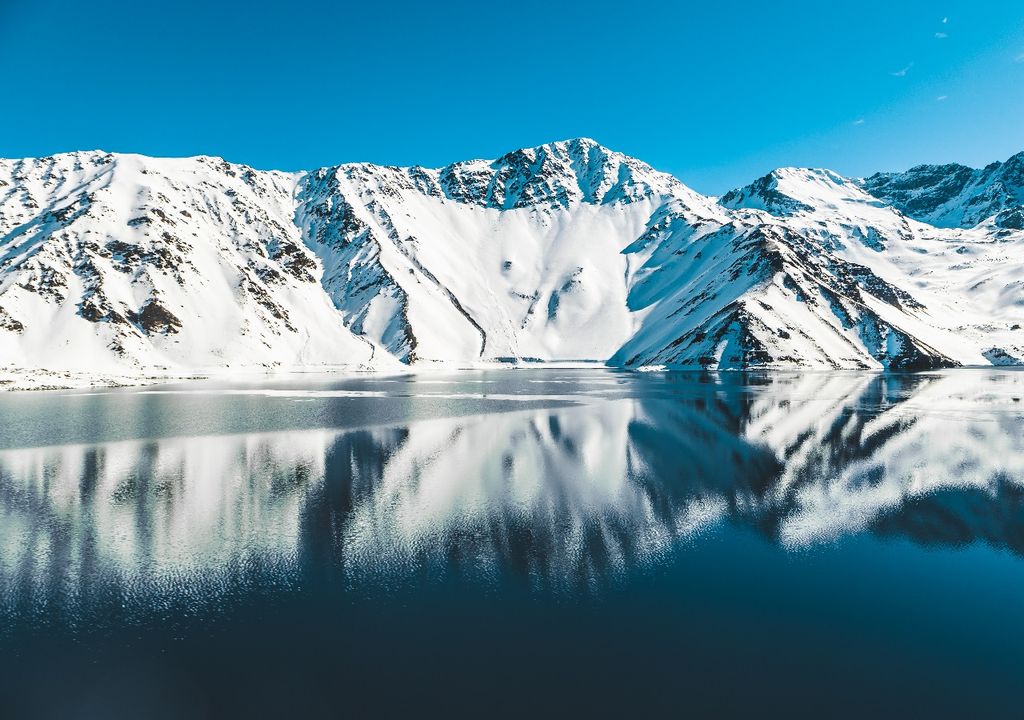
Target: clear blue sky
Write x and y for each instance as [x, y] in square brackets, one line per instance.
[716, 93]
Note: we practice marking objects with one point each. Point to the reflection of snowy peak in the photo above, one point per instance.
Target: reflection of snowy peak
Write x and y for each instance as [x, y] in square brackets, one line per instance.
[567, 251]
[566, 496]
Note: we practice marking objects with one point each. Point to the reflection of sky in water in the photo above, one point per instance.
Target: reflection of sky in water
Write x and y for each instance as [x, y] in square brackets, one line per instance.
[566, 498]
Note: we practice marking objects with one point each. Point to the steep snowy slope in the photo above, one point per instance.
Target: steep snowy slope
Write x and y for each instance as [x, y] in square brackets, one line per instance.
[121, 262]
[567, 251]
[516, 258]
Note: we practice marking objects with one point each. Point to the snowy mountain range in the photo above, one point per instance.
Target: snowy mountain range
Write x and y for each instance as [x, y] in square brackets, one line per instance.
[564, 252]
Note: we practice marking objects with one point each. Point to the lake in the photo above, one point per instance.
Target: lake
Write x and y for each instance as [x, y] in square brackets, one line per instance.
[515, 542]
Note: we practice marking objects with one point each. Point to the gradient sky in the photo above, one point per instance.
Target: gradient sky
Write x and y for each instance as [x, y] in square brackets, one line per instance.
[715, 93]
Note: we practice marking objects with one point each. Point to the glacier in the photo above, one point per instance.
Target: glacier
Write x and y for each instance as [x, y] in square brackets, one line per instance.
[129, 266]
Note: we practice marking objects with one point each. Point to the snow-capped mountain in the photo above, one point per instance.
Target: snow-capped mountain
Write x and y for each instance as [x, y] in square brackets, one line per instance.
[517, 258]
[121, 262]
[911, 294]
[564, 252]
[955, 195]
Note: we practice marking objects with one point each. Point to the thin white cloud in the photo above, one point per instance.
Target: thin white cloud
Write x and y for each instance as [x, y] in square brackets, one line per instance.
[945, 20]
[1019, 58]
[940, 98]
[858, 121]
[941, 35]
[903, 72]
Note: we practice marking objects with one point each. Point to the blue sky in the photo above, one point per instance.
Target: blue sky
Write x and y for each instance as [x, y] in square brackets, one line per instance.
[716, 93]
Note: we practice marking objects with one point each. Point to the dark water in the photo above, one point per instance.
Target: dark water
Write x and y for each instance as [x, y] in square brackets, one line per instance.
[509, 543]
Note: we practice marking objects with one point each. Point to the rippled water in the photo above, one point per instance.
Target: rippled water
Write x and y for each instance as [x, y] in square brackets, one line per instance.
[544, 541]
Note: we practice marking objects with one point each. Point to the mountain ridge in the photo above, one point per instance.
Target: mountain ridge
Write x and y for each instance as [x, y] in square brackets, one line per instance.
[567, 251]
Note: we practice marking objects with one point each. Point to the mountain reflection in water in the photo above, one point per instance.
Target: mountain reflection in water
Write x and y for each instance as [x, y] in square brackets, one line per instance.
[562, 499]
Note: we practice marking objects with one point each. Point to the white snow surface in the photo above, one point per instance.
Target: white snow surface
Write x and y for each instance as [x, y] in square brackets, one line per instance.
[128, 266]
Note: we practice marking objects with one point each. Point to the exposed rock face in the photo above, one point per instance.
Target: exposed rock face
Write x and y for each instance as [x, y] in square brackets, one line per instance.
[155, 318]
[567, 251]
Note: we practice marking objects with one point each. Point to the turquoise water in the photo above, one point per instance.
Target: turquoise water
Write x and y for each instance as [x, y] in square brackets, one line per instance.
[512, 542]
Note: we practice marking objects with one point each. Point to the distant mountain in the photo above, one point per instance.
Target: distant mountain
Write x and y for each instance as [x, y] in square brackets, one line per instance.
[955, 195]
[564, 252]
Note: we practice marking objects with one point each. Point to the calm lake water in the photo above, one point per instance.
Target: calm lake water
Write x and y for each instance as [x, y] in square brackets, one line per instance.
[516, 542]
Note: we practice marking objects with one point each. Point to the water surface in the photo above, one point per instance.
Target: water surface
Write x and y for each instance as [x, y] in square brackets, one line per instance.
[492, 543]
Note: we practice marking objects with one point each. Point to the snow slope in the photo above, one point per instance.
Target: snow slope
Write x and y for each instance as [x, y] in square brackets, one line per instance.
[564, 252]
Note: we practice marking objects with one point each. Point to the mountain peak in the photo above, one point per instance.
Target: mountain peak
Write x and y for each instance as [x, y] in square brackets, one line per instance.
[772, 192]
[556, 175]
[577, 144]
